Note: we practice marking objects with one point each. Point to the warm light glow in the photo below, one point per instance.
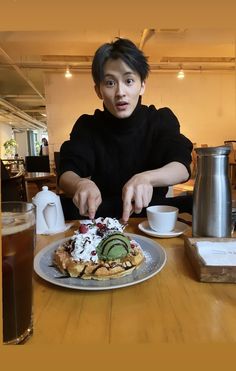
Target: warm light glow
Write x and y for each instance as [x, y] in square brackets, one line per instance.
[68, 74]
[180, 74]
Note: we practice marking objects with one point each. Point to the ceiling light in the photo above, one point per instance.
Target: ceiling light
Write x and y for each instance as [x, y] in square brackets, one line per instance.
[180, 74]
[68, 74]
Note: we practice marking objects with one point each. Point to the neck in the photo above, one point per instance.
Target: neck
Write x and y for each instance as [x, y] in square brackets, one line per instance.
[124, 122]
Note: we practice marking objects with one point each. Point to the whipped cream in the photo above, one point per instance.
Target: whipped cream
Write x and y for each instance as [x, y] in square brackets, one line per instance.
[85, 243]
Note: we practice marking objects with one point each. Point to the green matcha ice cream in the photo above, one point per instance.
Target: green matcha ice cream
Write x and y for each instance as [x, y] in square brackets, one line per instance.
[113, 246]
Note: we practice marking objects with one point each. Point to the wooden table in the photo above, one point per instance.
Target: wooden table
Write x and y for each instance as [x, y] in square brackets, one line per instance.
[36, 180]
[171, 307]
[39, 177]
[184, 188]
[188, 187]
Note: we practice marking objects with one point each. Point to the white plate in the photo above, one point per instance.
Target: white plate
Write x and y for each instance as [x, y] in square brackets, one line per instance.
[155, 259]
[180, 228]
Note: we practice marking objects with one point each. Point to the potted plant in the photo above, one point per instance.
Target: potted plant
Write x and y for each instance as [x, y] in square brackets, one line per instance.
[10, 147]
[37, 147]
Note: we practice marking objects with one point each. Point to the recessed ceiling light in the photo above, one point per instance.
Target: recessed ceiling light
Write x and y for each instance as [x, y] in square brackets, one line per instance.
[180, 74]
[68, 74]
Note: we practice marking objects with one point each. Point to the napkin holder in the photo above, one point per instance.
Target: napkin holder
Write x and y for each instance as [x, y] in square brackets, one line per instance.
[208, 273]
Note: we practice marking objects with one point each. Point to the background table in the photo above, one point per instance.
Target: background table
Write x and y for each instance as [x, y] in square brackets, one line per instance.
[39, 178]
[36, 180]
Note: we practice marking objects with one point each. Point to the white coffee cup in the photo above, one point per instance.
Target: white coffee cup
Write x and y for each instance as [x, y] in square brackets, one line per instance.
[162, 218]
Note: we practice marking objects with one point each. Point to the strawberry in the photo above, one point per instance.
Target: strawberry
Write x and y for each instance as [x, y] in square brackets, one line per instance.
[83, 228]
[100, 225]
[132, 245]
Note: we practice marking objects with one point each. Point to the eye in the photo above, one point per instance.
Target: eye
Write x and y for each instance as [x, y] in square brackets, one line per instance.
[129, 81]
[109, 83]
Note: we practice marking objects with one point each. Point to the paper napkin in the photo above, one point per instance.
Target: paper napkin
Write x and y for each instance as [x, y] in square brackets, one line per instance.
[217, 253]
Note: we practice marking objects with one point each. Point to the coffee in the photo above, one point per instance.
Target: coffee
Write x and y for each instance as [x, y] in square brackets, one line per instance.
[18, 240]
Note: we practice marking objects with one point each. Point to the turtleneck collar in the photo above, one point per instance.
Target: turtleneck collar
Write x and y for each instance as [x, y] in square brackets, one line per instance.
[126, 124]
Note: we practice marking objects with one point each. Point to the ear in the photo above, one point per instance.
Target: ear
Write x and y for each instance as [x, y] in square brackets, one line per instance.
[98, 92]
[143, 86]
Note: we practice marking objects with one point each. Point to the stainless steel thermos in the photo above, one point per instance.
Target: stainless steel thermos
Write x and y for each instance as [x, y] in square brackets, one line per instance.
[212, 203]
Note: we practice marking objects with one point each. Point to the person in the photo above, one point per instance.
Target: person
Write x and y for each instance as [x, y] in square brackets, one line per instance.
[122, 159]
[43, 147]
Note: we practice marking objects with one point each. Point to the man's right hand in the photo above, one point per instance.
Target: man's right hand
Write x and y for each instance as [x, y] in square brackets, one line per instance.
[87, 197]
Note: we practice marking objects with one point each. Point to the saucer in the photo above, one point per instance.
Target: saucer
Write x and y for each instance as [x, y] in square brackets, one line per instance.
[180, 228]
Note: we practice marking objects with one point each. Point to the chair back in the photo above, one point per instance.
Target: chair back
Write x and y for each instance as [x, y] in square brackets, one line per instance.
[232, 145]
[37, 164]
[14, 189]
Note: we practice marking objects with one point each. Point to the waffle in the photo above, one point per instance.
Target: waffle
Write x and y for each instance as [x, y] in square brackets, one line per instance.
[80, 256]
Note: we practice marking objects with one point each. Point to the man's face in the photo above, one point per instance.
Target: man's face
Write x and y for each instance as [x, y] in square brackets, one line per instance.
[120, 88]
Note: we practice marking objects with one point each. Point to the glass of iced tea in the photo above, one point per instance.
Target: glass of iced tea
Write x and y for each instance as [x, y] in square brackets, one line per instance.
[18, 242]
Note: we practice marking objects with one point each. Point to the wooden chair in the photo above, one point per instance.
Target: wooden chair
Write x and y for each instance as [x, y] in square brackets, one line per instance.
[232, 161]
[232, 154]
[5, 171]
[13, 188]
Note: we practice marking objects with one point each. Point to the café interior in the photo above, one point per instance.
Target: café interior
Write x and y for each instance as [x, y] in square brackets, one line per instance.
[46, 85]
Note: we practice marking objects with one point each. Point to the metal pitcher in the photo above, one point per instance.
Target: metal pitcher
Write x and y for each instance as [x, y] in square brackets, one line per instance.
[212, 203]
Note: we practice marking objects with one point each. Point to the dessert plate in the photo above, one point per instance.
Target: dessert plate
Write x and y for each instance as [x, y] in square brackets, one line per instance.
[155, 259]
[180, 228]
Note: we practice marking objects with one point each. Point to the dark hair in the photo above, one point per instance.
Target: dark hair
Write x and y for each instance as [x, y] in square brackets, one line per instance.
[120, 49]
[44, 140]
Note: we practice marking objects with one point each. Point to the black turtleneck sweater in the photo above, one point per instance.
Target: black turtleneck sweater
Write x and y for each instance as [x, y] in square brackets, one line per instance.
[112, 150]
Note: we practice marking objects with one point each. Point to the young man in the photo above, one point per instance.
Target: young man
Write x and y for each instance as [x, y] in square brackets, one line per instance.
[122, 159]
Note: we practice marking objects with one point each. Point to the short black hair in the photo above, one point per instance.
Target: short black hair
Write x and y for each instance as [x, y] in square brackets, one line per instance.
[120, 49]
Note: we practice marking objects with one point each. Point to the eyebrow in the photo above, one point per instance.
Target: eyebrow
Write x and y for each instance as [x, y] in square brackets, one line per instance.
[125, 74]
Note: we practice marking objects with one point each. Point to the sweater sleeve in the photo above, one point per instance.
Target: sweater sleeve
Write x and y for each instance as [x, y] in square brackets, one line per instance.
[169, 144]
[77, 154]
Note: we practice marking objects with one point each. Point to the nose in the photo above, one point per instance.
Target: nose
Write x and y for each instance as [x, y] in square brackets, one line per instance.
[120, 90]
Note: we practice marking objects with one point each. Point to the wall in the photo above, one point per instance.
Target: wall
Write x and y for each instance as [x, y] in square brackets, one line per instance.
[66, 100]
[204, 103]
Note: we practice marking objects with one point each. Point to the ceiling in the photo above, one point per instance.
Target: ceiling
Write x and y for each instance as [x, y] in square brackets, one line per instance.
[25, 57]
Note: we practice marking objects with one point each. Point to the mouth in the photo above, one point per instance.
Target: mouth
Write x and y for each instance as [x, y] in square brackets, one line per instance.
[121, 106]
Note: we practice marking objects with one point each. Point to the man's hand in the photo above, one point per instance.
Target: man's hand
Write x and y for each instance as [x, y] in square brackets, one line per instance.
[136, 194]
[87, 197]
